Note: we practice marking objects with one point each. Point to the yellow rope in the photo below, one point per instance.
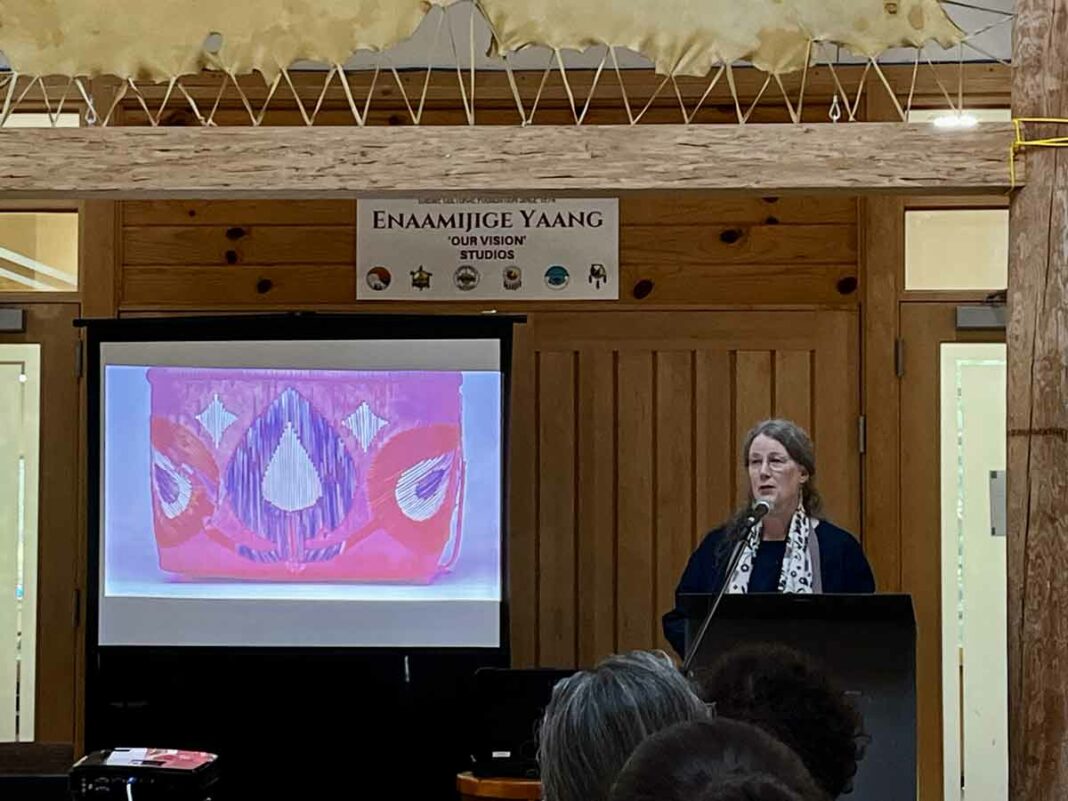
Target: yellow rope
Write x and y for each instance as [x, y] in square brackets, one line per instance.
[1020, 142]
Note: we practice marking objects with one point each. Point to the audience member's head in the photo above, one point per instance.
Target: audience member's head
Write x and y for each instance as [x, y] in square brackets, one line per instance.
[714, 760]
[597, 717]
[791, 698]
[756, 787]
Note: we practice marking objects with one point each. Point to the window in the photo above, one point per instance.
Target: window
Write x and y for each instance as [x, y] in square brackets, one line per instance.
[38, 251]
[961, 249]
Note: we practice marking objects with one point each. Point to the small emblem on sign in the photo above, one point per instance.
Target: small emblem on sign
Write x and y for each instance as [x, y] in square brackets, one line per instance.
[378, 278]
[598, 275]
[421, 278]
[466, 278]
[513, 278]
[556, 277]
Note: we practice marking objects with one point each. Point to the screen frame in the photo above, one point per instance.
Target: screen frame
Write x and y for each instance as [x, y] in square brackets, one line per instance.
[253, 328]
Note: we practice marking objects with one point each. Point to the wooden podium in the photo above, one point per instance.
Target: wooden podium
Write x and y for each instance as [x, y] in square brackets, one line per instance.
[472, 787]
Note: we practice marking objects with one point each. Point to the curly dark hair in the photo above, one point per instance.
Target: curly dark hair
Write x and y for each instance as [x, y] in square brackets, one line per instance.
[791, 697]
[756, 787]
[714, 760]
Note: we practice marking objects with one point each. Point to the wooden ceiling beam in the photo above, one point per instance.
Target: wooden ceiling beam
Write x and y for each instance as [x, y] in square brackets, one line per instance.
[125, 163]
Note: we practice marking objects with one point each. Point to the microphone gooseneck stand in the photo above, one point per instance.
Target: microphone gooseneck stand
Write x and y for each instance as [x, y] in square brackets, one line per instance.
[756, 514]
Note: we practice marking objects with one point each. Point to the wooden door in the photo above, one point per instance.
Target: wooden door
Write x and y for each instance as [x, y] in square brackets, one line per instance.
[624, 452]
[924, 328]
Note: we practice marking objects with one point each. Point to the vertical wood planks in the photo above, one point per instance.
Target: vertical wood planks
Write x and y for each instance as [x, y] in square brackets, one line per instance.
[835, 424]
[556, 508]
[596, 506]
[631, 455]
[752, 403]
[635, 527]
[793, 386]
[674, 477]
[716, 456]
[522, 503]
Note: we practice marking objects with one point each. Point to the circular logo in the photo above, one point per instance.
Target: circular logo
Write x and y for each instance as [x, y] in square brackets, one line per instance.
[513, 277]
[378, 278]
[466, 278]
[556, 277]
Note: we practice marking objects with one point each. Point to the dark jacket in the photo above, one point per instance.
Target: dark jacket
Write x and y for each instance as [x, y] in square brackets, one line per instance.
[843, 569]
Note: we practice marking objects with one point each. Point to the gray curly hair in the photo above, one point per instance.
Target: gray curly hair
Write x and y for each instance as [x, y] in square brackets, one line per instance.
[597, 717]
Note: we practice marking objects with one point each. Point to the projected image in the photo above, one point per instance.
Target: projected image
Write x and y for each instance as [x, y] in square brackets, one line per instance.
[282, 476]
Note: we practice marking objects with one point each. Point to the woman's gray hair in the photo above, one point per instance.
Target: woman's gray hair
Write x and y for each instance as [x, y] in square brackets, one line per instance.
[799, 445]
[597, 717]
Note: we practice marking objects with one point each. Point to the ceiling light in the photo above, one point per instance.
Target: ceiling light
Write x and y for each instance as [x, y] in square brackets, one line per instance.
[956, 120]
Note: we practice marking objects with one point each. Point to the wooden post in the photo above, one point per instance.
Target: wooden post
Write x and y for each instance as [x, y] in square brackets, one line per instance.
[1038, 418]
[99, 264]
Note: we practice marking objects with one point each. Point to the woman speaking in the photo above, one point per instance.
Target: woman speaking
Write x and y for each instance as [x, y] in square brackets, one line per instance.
[791, 550]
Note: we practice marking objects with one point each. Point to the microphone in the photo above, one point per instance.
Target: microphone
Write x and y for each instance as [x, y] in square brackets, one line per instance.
[757, 512]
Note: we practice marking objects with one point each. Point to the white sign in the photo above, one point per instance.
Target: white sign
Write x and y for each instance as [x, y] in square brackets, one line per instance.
[539, 249]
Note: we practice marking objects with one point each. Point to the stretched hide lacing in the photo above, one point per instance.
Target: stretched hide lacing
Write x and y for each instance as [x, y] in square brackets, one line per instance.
[142, 43]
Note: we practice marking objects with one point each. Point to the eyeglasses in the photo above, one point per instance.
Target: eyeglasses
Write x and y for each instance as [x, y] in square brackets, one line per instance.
[776, 463]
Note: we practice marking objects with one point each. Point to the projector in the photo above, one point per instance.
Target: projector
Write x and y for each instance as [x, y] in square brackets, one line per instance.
[145, 774]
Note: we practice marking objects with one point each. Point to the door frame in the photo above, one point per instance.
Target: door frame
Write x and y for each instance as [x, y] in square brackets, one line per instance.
[925, 327]
[49, 322]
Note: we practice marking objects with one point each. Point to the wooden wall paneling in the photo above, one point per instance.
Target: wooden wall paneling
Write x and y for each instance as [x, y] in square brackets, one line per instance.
[733, 284]
[231, 245]
[300, 283]
[557, 441]
[740, 244]
[752, 404]
[636, 516]
[760, 331]
[835, 428]
[301, 253]
[715, 456]
[267, 286]
[883, 223]
[793, 386]
[673, 477]
[651, 209]
[717, 210]
[239, 212]
[597, 505]
[523, 475]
